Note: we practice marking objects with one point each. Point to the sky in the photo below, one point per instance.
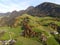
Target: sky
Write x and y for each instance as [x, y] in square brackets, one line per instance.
[11, 5]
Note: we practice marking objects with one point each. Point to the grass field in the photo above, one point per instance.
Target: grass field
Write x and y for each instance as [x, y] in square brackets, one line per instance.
[37, 24]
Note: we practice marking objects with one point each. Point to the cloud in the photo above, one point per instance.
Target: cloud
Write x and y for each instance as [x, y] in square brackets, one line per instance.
[9, 5]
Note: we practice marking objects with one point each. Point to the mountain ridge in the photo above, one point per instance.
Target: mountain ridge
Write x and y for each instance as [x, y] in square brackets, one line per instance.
[43, 9]
[46, 9]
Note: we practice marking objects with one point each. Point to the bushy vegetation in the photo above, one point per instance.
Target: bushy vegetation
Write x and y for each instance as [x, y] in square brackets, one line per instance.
[40, 25]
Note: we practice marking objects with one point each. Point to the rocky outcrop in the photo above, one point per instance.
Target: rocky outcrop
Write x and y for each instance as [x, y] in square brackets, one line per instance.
[27, 29]
[8, 42]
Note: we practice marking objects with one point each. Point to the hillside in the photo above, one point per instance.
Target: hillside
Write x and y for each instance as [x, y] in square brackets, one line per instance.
[39, 25]
[29, 30]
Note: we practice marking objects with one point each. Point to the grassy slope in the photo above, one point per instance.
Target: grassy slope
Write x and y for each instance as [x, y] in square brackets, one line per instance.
[15, 34]
[37, 24]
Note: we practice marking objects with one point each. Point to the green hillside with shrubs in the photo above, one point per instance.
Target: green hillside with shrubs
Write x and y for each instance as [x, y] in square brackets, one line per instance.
[31, 30]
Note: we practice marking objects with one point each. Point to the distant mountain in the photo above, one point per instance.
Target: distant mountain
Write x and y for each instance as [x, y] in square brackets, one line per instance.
[29, 8]
[5, 14]
[16, 13]
[46, 9]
